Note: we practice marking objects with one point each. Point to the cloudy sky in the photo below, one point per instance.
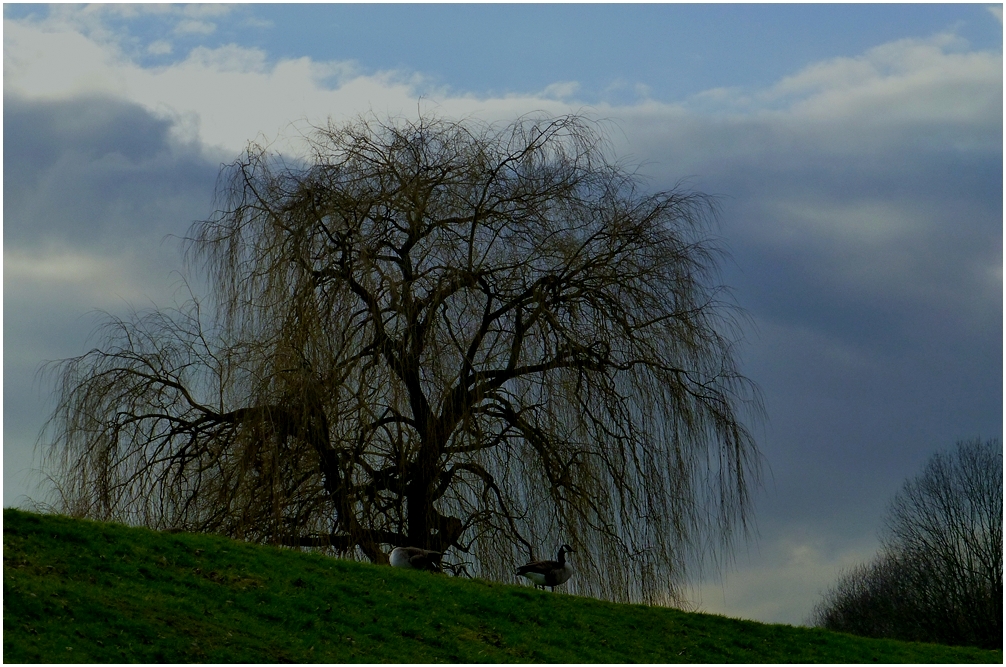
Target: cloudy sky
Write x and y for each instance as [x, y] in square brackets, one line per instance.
[857, 150]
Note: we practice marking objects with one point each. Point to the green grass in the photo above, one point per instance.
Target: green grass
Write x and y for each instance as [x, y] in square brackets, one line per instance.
[80, 591]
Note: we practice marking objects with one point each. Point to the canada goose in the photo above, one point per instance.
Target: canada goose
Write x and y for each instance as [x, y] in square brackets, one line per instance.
[414, 558]
[549, 572]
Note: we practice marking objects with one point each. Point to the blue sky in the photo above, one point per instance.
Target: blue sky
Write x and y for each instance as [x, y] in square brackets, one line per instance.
[857, 150]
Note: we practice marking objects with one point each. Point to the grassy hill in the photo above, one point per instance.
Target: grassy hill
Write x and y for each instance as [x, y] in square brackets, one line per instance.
[79, 591]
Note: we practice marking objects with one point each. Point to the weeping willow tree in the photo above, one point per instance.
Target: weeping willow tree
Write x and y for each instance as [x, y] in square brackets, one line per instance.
[464, 337]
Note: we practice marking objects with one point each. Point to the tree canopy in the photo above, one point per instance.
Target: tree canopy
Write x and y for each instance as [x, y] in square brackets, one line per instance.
[459, 336]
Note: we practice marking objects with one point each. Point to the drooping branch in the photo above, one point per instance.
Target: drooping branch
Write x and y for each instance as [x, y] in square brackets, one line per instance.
[451, 335]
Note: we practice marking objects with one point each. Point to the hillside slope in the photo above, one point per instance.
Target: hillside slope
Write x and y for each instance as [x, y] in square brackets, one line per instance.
[79, 591]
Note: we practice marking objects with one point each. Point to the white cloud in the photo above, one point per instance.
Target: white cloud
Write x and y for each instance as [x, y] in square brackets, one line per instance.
[238, 93]
[852, 104]
[996, 11]
[782, 582]
[860, 221]
[233, 91]
[907, 80]
[59, 63]
[61, 267]
[254, 22]
[621, 92]
[193, 27]
[233, 94]
[159, 47]
[561, 90]
[60, 276]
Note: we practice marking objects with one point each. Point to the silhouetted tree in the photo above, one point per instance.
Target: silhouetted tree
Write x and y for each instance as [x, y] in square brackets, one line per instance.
[940, 575]
[437, 334]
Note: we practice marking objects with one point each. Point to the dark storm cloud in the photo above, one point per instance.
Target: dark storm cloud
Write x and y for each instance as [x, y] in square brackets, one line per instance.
[93, 187]
[838, 238]
[886, 349]
[870, 257]
[866, 246]
[90, 170]
[37, 133]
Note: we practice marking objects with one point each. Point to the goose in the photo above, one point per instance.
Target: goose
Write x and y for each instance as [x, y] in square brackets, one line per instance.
[414, 558]
[549, 572]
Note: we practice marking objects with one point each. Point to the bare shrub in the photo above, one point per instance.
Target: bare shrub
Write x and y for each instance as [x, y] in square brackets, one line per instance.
[939, 577]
